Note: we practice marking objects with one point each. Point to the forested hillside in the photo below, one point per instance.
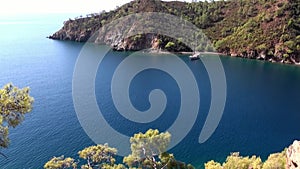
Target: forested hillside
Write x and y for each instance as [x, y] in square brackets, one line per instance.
[258, 29]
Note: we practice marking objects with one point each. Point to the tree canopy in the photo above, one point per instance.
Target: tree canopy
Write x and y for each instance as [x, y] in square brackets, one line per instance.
[148, 151]
[277, 160]
[14, 104]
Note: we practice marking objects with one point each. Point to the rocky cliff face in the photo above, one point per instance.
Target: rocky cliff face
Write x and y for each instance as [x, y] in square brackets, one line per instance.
[86, 29]
[293, 156]
[71, 31]
[105, 29]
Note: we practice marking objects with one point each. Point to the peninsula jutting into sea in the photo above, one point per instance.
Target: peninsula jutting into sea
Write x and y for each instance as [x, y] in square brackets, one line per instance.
[266, 29]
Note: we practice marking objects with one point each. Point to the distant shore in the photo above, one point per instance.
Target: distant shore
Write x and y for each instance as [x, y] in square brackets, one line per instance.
[290, 61]
[182, 53]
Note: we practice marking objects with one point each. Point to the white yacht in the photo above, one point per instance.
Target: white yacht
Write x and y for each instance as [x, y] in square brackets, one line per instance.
[195, 56]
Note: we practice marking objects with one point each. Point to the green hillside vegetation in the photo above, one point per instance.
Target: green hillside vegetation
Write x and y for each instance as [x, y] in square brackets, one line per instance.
[260, 29]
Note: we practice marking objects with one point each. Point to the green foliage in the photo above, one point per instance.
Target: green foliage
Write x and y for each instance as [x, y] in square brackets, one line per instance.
[137, 37]
[285, 37]
[279, 13]
[235, 161]
[262, 47]
[4, 140]
[290, 44]
[209, 48]
[119, 166]
[60, 163]
[286, 55]
[170, 45]
[277, 161]
[150, 142]
[268, 18]
[97, 155]
[14, 104]
[298, 39]
[252, 11]
[212, 165]
[219, 44]
[146, 148]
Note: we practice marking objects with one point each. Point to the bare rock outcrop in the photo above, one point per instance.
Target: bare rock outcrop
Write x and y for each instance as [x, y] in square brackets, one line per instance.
[293, 156]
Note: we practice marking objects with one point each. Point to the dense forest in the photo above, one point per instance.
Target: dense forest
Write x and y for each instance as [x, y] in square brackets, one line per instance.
[257, 29]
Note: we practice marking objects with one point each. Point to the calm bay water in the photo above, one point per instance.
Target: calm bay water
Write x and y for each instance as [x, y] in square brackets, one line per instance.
[261, 114]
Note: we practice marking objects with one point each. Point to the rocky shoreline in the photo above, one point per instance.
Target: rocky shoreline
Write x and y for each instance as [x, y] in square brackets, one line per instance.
[278, 58]
[151, 44]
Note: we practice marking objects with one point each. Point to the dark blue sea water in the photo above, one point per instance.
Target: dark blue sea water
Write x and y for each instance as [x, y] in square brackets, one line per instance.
[261, 115]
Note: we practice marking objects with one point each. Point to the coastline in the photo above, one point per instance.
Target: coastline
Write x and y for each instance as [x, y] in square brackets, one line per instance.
[257, 34]
[182, 52]
[271, 60]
